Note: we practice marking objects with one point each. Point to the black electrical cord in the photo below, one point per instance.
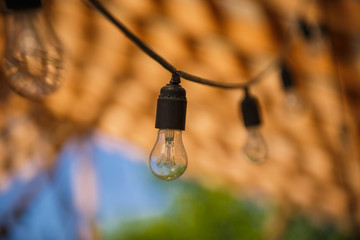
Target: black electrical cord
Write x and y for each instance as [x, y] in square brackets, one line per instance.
[137, 41]
[251, 81]
[168, 66]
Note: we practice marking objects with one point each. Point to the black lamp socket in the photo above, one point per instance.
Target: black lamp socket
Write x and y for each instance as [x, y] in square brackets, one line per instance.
[171, 107]
[287, 79]
[250, 111]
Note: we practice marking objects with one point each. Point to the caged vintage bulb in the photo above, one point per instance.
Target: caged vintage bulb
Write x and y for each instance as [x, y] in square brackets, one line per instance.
[168, 159]
[33, 56]
[255, 148]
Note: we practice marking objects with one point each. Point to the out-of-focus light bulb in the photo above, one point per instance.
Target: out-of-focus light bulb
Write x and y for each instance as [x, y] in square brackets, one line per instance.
[168, 159]
[306, 30]
[33, 57]
[293, 102]
[313, 35]
[255, 148]
[345, 137]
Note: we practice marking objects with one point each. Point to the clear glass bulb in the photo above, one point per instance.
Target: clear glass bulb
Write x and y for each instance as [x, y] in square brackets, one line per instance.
[33, 55]
[255, 148]
[168, 159]
[293, 102]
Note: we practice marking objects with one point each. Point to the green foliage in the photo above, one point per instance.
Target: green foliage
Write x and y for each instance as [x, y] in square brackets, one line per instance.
[201, 214]
[300, 228]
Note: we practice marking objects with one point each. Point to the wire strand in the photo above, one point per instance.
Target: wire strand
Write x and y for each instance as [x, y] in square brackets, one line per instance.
[137, 41]
[210, 83]
[168, 66]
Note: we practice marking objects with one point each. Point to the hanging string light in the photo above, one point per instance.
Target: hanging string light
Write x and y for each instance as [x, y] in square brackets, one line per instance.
[255, 148]
[33, 55]
[293, 102]
[306, 30]
[168, 159]
[313, 35]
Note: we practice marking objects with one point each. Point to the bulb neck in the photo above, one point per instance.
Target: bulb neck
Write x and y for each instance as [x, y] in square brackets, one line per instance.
[22, 5]
[250, 111]
[171, 107]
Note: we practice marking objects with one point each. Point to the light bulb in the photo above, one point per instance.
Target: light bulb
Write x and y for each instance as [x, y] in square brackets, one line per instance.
[255, 148]
[168, 159]
[293, 102]
[33, 56]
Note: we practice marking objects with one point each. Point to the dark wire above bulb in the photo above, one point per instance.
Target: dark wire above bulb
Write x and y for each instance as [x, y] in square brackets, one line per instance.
[33, 58]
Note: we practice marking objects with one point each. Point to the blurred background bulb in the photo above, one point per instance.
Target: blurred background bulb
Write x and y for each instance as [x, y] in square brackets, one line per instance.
[293, 102]
[255, 148]
[168, 159]
[33, 55]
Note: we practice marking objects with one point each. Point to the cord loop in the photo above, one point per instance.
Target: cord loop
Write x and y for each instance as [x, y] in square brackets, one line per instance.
[175, 78]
